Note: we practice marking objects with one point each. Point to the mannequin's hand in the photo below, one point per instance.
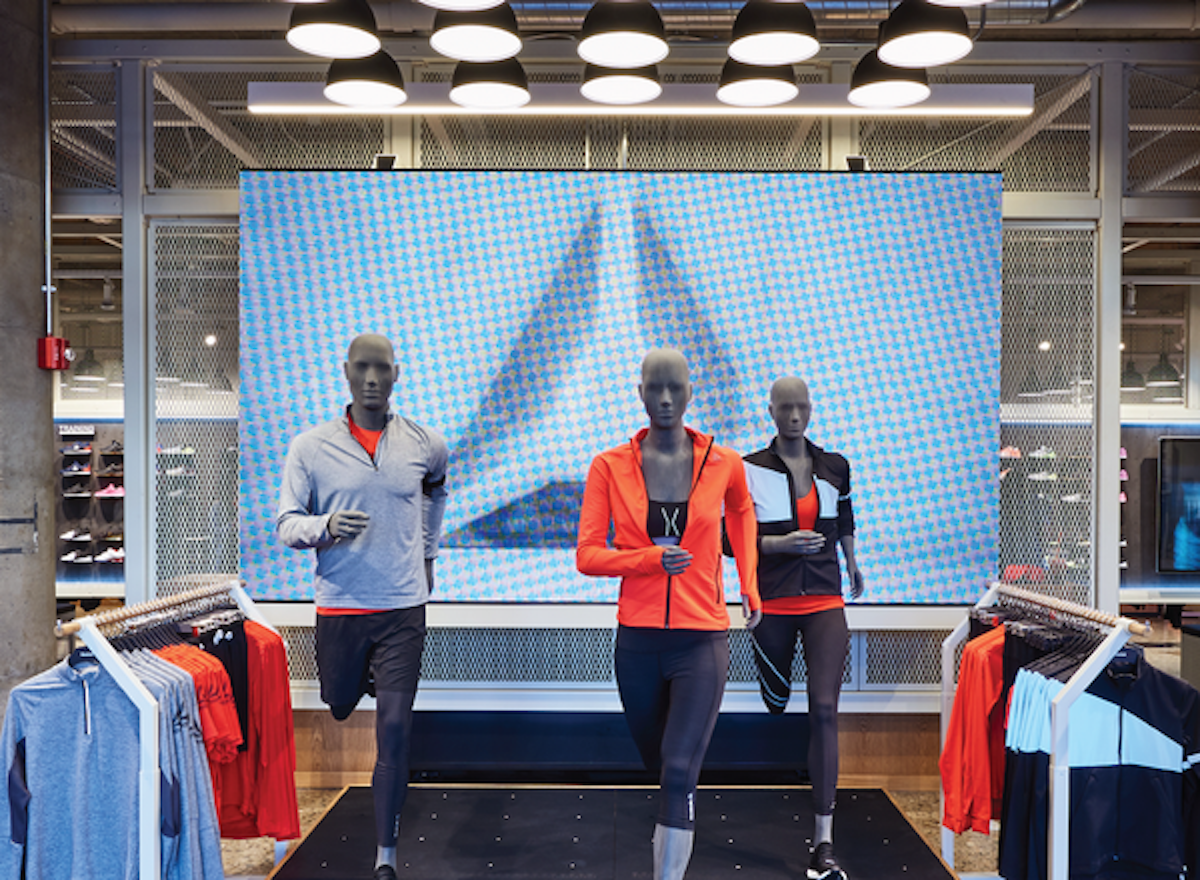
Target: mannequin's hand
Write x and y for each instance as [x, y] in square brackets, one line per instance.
[675, 559]
[857, 585]
[752, 618]
[802, 542]
[347, 523]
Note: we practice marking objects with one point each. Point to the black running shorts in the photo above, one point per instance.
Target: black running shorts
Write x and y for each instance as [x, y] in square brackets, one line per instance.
[363, 653]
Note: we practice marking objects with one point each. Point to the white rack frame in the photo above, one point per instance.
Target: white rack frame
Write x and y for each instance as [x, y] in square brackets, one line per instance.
[1121, 628]
[88, 629]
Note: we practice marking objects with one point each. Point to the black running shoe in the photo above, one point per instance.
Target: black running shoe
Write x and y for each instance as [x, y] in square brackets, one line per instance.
[822, 865]
[384, 872]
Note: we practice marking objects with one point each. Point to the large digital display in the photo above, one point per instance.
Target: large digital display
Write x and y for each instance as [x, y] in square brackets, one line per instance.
[521, 304]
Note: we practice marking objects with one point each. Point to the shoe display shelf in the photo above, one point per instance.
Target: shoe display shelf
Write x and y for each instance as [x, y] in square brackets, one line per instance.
[90, 512]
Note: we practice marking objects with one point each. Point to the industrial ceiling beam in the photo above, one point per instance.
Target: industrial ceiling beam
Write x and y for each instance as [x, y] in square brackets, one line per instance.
[196, 106]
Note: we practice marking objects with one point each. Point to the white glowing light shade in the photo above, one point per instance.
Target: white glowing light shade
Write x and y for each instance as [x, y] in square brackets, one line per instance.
[487, 35]
[919, 34]
[620, 87]
[774, 32]
[751, 85]
[499, 85]
[336, 29]
[461, 5]
[372, 82]
[623, 33]
[876, 85]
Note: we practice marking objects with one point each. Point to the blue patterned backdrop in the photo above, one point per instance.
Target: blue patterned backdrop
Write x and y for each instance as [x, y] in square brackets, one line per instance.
[521, 304]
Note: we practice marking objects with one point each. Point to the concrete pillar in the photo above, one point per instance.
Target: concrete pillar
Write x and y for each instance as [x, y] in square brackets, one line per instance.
[27, 481]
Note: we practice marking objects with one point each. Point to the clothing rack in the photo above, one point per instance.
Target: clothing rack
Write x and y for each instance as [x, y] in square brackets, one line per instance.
[1120, 629]
[94, 630]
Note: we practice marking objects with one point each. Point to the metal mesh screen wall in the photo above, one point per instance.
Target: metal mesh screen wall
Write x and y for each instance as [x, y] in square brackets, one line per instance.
[902, 658]
[1050, 151]
[1048, 429]
[83, 125]
[194, 285]
[204, 135]
[1164, 140]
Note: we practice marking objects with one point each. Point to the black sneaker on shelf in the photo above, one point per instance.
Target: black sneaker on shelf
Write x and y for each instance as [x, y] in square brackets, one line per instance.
[822, 865]
[114, 448]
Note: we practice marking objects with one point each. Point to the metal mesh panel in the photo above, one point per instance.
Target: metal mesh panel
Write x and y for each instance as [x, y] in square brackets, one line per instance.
[526, 655]
[204, 135]
[83, 124]
[757, 144]
[194, 280]
[504, 142]
[1164, 137]
[902, 657]
[1047, 152]
[1047, 368]
[301, 644]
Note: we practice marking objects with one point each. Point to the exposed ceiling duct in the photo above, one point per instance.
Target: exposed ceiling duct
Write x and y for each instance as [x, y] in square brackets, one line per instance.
[696, 16]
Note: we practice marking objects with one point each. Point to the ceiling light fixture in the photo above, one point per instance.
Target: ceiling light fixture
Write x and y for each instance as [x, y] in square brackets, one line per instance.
[604, 85]
[753, 85]
[336, 29]
[948, 101]
[374, 81]
[774, 32]
[107, 303]
[1131, 379]
[876, 84]
[496, 85]
[1162, 374]
[484, 35]
[89, 369]
[461, 5]
[961, 3]
[623, 33]
[919, 34]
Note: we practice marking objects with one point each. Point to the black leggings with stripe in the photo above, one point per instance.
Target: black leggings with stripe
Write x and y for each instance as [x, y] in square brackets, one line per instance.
[671, 683]
[825, 637]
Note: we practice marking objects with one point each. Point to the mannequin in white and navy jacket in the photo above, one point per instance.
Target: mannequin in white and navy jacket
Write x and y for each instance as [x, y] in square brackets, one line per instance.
[802, 504]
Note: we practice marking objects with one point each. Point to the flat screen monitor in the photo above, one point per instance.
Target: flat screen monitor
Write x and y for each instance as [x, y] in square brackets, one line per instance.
[1178, 504]
[522, 302]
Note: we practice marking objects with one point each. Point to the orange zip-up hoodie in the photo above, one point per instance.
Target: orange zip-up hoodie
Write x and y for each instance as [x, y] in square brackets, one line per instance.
[695, 599]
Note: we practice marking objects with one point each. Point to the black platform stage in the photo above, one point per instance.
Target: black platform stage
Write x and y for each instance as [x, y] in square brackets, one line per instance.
[588, 833]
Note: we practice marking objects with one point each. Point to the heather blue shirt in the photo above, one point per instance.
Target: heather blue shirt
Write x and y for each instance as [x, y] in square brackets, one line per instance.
[402, 490]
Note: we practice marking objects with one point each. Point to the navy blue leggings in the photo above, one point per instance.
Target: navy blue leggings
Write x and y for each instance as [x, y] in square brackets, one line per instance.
[825, 637]
[671, 683]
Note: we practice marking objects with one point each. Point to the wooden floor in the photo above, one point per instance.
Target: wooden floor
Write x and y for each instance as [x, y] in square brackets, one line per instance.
[876, 750]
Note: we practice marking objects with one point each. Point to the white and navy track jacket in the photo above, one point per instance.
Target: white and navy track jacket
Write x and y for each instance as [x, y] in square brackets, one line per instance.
[1134, 753]
[774, 493]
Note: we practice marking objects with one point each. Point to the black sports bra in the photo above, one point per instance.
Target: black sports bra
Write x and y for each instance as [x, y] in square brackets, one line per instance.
[666, 521]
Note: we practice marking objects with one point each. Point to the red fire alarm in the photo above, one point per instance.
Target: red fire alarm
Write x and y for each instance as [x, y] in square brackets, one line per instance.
[54, 353]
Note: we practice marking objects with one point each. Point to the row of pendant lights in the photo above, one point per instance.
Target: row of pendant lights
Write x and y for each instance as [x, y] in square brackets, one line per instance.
[621, 42]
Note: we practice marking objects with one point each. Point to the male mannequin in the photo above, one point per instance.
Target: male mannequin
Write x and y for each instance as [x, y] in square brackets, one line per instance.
[367, 492]
[802, 503]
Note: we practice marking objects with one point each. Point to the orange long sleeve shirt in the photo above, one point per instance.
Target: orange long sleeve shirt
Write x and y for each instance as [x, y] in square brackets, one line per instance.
[695, 599]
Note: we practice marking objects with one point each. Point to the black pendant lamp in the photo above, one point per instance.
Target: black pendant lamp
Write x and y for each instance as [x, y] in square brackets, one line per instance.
[755, 85]
[774, 32]
[920, 34]
[495, 85]
[1131, 379]
[877, 85]
[623, 33]
[374, 81]
[482, 35]
[606, 85]
[336, 29]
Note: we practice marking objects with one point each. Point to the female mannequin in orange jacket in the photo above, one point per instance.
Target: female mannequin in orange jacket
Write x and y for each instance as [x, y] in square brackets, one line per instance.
[662, 493]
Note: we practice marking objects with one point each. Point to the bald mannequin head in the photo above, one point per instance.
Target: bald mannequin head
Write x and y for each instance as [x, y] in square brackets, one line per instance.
[371, 372]
[791, 407]
[666, 387]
